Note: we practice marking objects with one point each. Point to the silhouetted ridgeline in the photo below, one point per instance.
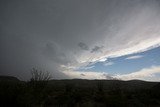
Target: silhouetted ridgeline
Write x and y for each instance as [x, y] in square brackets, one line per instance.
[8, 78]
[78, 93]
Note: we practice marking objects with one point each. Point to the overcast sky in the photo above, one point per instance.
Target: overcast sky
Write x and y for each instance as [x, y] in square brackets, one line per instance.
[81, 38]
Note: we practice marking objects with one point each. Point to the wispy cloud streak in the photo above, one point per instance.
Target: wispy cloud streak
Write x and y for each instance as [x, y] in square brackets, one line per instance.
[135, 57]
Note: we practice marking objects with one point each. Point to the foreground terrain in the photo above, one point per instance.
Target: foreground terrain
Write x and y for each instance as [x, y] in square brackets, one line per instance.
[78, 93]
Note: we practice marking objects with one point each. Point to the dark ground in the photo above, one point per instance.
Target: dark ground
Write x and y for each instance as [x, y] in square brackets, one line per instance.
[78, 93]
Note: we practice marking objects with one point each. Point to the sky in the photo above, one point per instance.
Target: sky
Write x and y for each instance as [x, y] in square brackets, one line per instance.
[86, 39]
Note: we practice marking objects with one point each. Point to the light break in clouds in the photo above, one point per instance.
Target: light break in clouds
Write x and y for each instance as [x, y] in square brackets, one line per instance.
[142, 74]
[135, 57]
[108, 63]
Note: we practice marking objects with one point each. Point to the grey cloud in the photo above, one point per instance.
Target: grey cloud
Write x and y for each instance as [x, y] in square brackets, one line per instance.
[22, 52]
[43, 33]
[52, 52]
[97, 49]
[83, 75]
[83, 46]
[107, 76]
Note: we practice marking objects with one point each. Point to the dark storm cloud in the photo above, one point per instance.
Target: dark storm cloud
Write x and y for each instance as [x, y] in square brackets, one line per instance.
[83, 46]
[83, 75]
[97, 49]
[45, 33]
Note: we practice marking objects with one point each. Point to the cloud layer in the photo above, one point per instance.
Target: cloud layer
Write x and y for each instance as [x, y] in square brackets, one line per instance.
[135, 57]
[143, 74]
[61, 36]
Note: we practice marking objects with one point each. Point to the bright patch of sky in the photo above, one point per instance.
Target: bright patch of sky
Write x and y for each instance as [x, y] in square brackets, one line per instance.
[129, 63]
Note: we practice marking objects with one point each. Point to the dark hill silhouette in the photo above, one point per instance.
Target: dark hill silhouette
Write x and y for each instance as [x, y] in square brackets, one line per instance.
[78, 93]
[8, 78]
